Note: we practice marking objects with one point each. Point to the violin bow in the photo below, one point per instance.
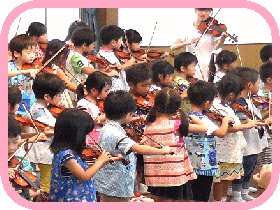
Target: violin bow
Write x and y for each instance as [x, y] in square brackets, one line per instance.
[152, 38]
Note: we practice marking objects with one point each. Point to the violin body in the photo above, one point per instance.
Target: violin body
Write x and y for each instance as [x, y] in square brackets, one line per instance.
[55, 110]
[23, 121]
[215, 116]
[260, 100]
[146, 102]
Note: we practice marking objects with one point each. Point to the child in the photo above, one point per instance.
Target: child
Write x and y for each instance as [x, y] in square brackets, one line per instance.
[230, 147]
[97, 87]
[184, 64]
[266, 53]
[162, 75]
[202, 146]
[71, 179]
[38, 32]
[111, 37]
[23, 52]
[48, 89]
[83, 40]
[226, 61]
[266, 91]
[256, 137]
[116, 181]
[167, 175]
[13, 142]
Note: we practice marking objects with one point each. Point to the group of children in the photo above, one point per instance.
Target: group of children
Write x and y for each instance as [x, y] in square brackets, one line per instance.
[162, 127]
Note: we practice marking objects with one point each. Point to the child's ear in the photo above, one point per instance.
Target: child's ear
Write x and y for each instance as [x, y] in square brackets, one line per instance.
[16, 54]
[249, 85]
[131, 85]
[160, 77]
[269, 80]
[182, 68]
[47, 97]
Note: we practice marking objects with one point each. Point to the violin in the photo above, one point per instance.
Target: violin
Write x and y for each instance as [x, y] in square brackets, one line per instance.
[151, 54]
[55, 110]
[215, 116]
[35, 65]
[25, 178]
[23, 121]
[100, 104]
[239, 108]
[214, 28]
[260, 100]
[99, 60]
[145, 102]
[191, 79]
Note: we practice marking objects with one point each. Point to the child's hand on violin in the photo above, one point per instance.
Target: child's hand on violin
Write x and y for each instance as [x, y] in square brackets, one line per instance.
[184, 94]
[12, 173]
[104, 158]
[42, 137]
[167, 150]
[193, 41]
[101, 118]
[34, 193]
[48, 131]
[138, 119]
[118, 157]
[254, 123]
[224, 34]
[228, 119]
[33, 72]
[268, 121]
[195, 120]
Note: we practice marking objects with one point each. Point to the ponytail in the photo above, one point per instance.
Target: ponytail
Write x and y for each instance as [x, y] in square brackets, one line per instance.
[80, 91]
[184, 127]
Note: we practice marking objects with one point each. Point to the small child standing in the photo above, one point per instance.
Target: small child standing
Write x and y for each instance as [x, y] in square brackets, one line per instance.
[202, 145]
[115, 182]
[162, 75]
[167, 176]
[47, 89]
[71, 179]
[97, 87]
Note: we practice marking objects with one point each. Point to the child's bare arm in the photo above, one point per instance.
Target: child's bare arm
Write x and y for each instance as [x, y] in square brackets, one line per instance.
[148, 150]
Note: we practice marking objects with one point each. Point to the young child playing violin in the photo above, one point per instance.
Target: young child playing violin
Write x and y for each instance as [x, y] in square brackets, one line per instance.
[266, 53]
[14, 131]
[226, 61]
[230, 147]
[48, 89]
[22, 48]
[184, 64]
[202, 144]
[38, 32]
[167, 176]
[115, 181]
[256, 138]
[97, 87]
[266, 77]
[112, 37]
[71, 178]
[162, 75]
[76, 63]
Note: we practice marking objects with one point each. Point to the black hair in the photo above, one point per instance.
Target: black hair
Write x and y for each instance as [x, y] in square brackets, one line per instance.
[202, 9]
[71, 129]
[266, 71]
[109, 33]
[246, 74]
[138, 73]
[169, 101]
[47, 83]
[76, 24]
[230, 83]
[133, 36]
[201, 91]
[118, 104]
[83, 36]
[97, 80]
[53, 47]
[184, 59]
[14, 95]
[14, 129]
[21, 42]
[37, 29]
[266, 53]
[161, 67]
[225, 57]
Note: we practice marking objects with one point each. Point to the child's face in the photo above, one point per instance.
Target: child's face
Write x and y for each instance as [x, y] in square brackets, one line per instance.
[255, 87]
[27, 55]
[189, 70]
[89, 48]
[165, 81]
[117, 44]
[142, 88]
[55, 100]
[12, 146]
[104, 92]
[135, 46]
[42, 39]
[203, 15]
[12, 110]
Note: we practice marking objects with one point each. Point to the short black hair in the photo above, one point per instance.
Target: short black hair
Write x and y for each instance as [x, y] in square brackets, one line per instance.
[118, 104]
[14, 95]
[21, 42]
[47, 83]
[109, 33]
[71, 128]
[37, 29]
[133, 36]
[266, 53]
[201, 91]
[138, 73]
[246, 74]
[161, 67]
[83, 36]
[14, 129]
[203, 9]
[266, 71]
[225, 57]
[230, 83]
[76, 24]
[184, 59]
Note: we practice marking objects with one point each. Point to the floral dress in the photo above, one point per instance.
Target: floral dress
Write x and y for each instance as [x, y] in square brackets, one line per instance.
[65, 187]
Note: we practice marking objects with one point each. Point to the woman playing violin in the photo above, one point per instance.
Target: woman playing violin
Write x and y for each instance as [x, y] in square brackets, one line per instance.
[201, 46]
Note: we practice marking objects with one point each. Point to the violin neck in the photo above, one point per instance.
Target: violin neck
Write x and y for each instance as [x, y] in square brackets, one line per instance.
[26, 178]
